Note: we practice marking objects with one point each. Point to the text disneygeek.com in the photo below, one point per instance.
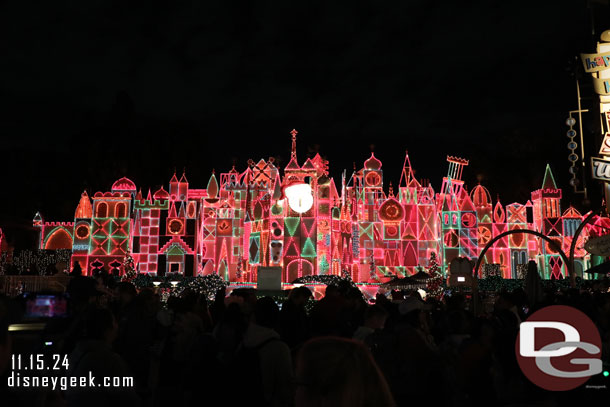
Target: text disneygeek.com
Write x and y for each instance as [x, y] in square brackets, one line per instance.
[53, 364]
[18, 381]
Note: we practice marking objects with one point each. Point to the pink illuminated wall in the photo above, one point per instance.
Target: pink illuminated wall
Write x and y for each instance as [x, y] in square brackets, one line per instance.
[242, 221]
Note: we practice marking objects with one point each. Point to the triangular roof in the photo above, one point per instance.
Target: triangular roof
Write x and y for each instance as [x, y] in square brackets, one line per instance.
[292, 165]
[172, 210]
[549, 180]
[84, 210]
[183, 178]
[407, 177]
[308, 165]
[277, 188]
[572, 213]
[174, 178]
[466, 204]
[175, 243]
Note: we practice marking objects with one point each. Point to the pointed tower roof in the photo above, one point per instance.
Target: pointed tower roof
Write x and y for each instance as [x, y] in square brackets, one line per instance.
[161, 194]
[572, 213]
[277, 188]
[138, 196]
[172, 210]
[212, 187]
[407, 174]
[372, 163]
[149, 196]
[183, 178]
[549, 180]
[466, 203]
[308, 165]
[84, 210]
[293, 164]
[480, 196]
[174, 178]
[37, 219]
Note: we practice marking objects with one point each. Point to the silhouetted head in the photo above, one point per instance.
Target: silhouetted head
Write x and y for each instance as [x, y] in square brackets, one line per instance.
[101, 325]
[375, 316]
[299, 295]
[127, 292]
[266, 312]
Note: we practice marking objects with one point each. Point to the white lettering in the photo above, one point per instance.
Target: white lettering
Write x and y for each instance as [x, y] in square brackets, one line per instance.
[527, 343]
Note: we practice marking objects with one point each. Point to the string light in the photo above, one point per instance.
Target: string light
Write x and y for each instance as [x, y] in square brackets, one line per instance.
[301, 223]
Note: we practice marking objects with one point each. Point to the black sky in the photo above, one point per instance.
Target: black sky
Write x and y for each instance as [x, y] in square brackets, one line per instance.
[96, 90]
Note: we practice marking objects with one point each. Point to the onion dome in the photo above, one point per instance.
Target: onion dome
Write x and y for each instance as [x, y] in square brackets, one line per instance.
[372, 163]
[161, 195]
[123, 184]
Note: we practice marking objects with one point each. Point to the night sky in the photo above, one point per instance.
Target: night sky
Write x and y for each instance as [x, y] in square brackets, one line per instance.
[96, 90]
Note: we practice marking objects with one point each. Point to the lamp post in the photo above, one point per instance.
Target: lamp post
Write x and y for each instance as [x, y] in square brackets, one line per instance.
[572, 145]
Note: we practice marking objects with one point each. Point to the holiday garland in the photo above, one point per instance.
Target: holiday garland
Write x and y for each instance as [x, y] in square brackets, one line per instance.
[324, 279]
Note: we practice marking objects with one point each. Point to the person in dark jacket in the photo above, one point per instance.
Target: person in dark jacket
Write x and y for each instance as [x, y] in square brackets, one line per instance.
[94, 354]
[294, 322]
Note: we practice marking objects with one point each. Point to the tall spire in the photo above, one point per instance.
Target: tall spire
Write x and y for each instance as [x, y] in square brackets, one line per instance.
[549, 180]
[407, 173]
[293, 151]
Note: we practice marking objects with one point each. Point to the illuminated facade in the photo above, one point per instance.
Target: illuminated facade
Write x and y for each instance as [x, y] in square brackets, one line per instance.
[244, 220]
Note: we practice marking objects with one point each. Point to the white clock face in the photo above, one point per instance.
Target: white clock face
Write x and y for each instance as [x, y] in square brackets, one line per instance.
[299, 197]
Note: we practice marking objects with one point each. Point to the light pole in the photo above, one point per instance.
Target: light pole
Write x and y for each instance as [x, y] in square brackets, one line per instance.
[572, 145]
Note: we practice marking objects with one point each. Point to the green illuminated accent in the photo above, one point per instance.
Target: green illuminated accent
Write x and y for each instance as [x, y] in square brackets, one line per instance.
[276, 210]
[336, 213]
[606, 373]
[175, 250]
[324, 266]
[308, 249]
[109, 249]
[366, 230]
[291, 225]
[549, 180]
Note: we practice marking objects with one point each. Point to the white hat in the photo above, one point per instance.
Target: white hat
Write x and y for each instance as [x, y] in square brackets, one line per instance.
[410, 304]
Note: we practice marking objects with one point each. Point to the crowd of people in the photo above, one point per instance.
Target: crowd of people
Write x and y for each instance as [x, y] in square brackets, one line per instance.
[242, 349]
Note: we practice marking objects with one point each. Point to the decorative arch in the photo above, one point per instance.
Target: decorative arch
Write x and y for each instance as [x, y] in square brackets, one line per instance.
[59, 238]
[552, 243]
[298, 268]
[101, 210]
[120, 210]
